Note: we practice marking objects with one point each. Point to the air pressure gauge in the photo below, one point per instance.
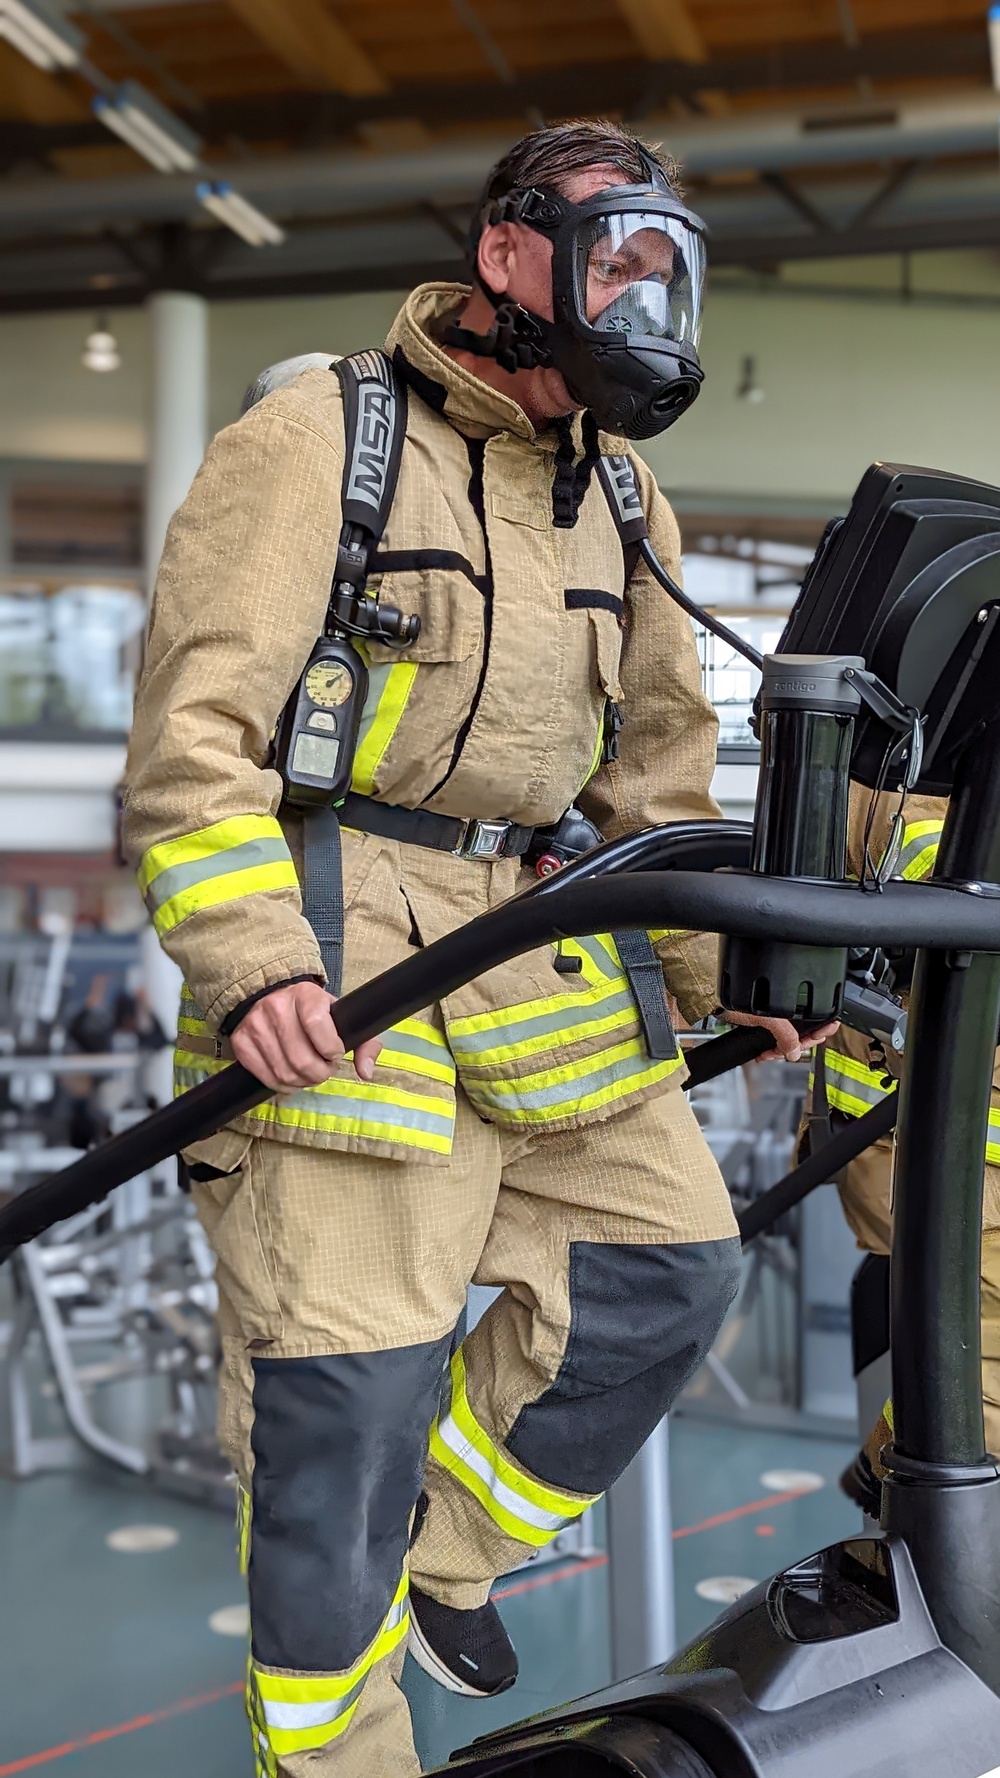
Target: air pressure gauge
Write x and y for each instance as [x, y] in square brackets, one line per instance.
[318, 731]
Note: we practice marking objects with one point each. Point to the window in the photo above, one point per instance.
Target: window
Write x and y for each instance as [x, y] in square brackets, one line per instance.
[68, 658]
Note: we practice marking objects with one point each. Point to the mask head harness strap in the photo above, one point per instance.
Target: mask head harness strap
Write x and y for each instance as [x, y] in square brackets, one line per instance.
[633, 384]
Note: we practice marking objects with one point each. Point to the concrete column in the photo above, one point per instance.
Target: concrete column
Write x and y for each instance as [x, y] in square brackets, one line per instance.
[177, 423]
[177, 427]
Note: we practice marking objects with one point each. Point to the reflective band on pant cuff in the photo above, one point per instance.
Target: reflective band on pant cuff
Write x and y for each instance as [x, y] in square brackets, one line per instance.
[522, 1507]
[301, 1712]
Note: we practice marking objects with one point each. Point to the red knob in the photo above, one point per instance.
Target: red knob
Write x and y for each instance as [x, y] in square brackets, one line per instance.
[547, 865]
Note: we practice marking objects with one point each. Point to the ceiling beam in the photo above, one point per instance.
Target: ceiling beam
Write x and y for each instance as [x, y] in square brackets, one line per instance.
[110, 272]
[631, 87]
[309, 40]
[664, 30]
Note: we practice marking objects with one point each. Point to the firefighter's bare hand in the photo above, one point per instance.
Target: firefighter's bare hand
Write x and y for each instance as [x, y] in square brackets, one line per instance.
[789, 1044]
[289, 1039]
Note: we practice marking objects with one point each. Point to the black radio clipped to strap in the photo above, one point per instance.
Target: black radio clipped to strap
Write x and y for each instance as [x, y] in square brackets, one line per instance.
[317, 734]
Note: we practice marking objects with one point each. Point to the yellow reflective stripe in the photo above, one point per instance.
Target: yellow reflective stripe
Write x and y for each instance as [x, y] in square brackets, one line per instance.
[303, 1713]
[343, 1107]
[887, 1415]
[851, 1086]
[993, 1139]
[919, 849]
[598, 745]
[524, 1508]
[243, 855]
[510, 1033]
[256, 880]
[573, 1087]
[389, 689]
[243, 1527]
[189, 848]
[418, 1047]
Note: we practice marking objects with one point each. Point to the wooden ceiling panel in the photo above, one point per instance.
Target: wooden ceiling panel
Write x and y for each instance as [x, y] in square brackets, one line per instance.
[203, 45]
[429, 41]
[728, 25]
[26, 92]
[316, 46]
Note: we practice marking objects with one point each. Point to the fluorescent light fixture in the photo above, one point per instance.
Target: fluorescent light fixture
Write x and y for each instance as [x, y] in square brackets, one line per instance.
[148, 127]
[993, 32]
[242, 217]
[40, 34]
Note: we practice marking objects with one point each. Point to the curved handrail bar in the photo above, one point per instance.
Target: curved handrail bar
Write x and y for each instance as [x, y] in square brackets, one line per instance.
[750, 906]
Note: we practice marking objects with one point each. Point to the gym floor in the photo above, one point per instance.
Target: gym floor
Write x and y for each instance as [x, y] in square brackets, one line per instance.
[122, 1624]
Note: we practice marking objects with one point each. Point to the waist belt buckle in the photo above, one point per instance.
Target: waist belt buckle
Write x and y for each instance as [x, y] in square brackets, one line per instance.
[483, 839]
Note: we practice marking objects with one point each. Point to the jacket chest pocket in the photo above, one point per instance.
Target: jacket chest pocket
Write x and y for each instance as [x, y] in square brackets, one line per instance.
[449, 603]
[604, 613]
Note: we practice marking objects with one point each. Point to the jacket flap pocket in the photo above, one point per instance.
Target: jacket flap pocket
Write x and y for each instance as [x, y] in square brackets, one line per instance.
[447, 600]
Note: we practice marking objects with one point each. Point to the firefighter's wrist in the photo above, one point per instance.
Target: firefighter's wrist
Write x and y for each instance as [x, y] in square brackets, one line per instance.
[235, 1018]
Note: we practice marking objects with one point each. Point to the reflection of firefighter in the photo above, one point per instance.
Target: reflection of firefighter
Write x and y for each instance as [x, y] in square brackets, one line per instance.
[522, 1132]
[851, 1077]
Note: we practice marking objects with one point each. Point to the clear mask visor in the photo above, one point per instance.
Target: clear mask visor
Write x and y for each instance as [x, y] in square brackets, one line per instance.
[640, 275]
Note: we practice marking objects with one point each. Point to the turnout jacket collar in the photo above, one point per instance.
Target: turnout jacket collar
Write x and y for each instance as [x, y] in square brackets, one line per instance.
[473, 407]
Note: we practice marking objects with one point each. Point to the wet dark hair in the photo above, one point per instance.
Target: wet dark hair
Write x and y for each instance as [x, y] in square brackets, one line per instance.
[550, 156]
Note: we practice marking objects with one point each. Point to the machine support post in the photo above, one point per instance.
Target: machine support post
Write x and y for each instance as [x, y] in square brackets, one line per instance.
[943, 1491]
[641, 1566]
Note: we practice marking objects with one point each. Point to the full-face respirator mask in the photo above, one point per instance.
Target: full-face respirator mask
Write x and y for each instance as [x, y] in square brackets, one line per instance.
[628, 277]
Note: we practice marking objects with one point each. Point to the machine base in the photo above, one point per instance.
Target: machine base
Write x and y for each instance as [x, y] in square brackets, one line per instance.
[833, 1669]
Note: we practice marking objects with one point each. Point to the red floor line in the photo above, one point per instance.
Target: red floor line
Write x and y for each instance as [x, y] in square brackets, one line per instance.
[522, 1586]
[98, 1736]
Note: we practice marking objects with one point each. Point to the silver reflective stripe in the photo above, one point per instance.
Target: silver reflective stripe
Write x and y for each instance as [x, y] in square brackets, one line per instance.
[565, 1092]
[410, 1045]
[310, 1716]
[871, 1091]
[377, 679]
[372, 1111]
[513, 1503]
[542, 1024]
[282, 1714]
[177, 877]
[924, 842]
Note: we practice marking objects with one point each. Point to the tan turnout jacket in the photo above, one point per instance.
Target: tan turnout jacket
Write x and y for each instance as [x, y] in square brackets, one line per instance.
[495, 711]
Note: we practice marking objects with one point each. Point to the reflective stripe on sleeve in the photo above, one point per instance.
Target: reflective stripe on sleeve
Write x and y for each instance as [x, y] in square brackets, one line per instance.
[853, 1088]
[919, 849]
[522, 1507]
[389, 689]
[301, 1713]
[244, 855]
[344, 1105]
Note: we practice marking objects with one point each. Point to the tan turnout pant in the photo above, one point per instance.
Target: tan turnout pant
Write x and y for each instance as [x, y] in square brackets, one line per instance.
[341, 1281]
[865, 1192]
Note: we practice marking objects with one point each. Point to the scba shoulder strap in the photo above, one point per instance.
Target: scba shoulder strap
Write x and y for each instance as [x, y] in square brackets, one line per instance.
[375, 413]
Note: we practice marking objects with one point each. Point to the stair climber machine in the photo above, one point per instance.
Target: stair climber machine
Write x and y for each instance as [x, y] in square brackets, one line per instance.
[876, 1656]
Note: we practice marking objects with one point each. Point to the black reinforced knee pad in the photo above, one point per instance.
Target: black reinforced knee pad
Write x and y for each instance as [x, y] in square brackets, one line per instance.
[339, 1446]
[642, 1319]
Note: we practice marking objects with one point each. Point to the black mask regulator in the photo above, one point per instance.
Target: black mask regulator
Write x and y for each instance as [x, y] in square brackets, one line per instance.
[628, 275]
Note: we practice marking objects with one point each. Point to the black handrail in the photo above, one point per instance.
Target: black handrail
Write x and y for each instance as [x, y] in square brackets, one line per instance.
[913, 914]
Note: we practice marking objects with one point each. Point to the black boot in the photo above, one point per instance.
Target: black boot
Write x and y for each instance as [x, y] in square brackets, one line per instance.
[468, 1652]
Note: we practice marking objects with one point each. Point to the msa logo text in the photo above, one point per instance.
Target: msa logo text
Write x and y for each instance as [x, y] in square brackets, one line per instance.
[626, 492]
[371, 454]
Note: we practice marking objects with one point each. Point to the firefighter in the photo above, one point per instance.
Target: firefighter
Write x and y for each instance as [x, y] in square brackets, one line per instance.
[850, 1077]
[521, 1133]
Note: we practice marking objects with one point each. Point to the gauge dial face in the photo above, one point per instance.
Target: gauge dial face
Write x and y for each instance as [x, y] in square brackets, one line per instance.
[328, 684]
